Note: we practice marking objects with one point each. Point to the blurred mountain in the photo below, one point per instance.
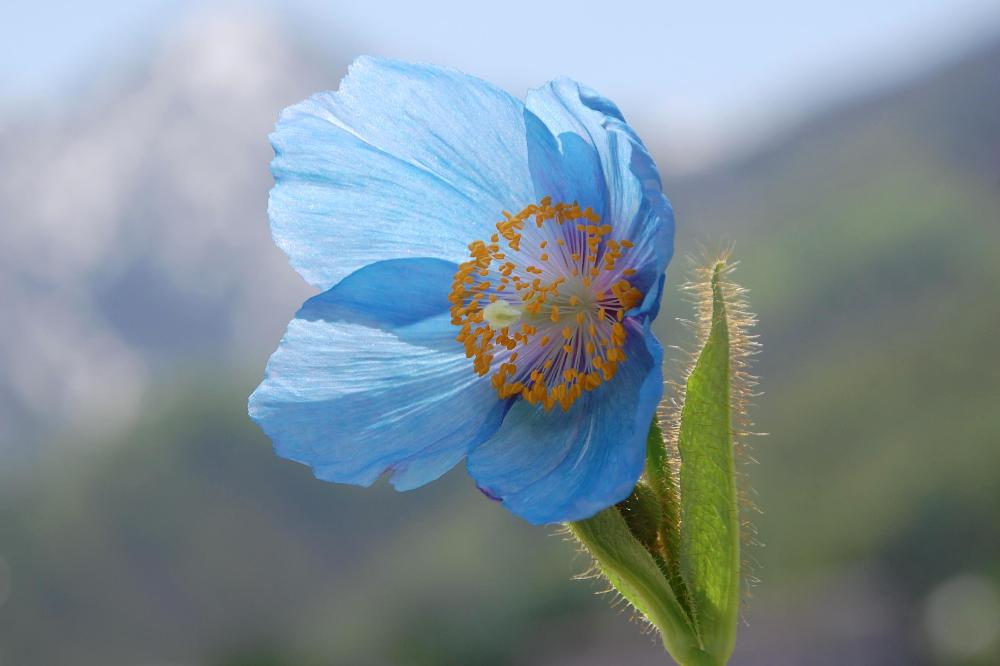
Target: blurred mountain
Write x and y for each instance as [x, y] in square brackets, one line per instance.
[868, 238]
[135, 222]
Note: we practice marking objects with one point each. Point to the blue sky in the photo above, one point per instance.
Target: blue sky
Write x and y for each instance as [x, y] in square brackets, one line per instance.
[705, 69]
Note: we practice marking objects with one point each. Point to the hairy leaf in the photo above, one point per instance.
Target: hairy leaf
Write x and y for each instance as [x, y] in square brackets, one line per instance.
[710, 529]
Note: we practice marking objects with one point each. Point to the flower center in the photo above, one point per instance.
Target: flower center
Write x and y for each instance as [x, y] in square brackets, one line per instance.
[542, 305]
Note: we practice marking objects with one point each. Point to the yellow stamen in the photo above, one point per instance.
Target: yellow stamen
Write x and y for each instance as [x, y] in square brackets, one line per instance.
[487, 320]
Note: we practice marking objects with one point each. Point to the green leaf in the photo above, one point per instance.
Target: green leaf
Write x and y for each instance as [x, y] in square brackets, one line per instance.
[710, 529]
[630, 568]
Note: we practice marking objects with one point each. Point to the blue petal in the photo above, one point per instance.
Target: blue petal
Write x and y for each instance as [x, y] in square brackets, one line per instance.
[630, 182]
[568, 170]
[369, 379]
[404, 160]
[560, 466]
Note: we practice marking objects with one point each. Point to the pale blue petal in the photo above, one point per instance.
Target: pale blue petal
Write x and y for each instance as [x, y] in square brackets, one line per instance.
[635, 204]
[403, 160]
[369, 380]
[560, 466]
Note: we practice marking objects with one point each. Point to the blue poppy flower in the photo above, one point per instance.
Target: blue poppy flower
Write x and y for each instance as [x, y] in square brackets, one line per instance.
[489, 272]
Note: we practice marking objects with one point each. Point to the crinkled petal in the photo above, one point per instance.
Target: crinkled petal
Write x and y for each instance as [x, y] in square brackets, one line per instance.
[560, 466]
[404, 160]
[369, 379]
[634, 201]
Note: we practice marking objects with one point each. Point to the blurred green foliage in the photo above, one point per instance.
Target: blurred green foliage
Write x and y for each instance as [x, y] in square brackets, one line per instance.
[189, 537]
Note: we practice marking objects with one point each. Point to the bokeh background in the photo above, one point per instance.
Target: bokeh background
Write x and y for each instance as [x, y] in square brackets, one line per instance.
[850, 150]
